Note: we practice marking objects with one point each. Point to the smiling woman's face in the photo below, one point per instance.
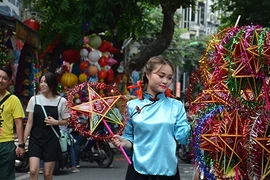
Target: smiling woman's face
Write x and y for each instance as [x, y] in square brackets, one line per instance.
[159, 79]
[43, 85]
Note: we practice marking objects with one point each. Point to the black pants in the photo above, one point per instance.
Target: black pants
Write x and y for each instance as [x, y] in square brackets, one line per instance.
[132, 174]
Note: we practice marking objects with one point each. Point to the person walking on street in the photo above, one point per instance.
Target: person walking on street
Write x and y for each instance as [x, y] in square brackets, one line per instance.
[70, 148]
[43, 143]
[156, 122]
[11, 112]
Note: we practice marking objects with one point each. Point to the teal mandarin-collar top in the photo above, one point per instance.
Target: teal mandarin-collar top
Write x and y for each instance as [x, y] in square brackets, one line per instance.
[153, 128]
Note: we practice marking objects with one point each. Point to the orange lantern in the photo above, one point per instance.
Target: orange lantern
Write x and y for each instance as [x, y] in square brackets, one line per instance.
[92, 70]
[102, 74]
[32, 23]
[71, 56]
[110, 76]
[84, 65]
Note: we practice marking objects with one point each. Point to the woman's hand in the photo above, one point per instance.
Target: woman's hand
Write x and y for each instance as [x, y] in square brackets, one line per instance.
[119, 141]
[50, 121]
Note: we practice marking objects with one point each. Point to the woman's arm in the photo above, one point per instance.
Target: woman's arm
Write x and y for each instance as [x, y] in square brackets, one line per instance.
[28, 126]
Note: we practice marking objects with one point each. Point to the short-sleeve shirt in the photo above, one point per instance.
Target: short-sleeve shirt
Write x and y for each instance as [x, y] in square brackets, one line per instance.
[63, 112]
[10, 110]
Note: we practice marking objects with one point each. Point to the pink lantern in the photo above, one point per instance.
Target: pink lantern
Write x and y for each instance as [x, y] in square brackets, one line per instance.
[110, 61]
[85, 40]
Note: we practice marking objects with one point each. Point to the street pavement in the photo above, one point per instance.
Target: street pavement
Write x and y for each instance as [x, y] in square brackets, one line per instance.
[91, 171]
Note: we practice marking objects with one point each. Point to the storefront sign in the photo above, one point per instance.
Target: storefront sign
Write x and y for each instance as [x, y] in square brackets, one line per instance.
[27, 35]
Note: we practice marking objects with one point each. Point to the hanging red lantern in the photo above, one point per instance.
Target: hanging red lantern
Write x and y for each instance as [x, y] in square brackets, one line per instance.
[102, 61]
[107, 47]
[71, 56]
[32, 23]
[102, 74]
[110, 76]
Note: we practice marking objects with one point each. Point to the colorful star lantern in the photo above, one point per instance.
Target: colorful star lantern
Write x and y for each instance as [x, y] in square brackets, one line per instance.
[234, 73]
[86, 117]
[96, 109]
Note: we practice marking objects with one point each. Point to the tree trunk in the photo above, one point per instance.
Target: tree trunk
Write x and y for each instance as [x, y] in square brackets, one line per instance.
[55, 57]
[159, 45]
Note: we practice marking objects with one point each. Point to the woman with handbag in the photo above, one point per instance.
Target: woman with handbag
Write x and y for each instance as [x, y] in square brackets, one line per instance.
[46, 112]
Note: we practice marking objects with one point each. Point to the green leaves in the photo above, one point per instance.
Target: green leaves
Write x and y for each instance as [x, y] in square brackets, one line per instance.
[251, 12]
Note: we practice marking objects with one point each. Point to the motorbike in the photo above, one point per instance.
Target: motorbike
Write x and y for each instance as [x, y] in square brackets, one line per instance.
[93, 151]
[21, 163]
[184, 152]
[98, 151]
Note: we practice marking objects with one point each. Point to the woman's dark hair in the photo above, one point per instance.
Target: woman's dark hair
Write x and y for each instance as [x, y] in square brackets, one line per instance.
[51, 80]
[7, 70]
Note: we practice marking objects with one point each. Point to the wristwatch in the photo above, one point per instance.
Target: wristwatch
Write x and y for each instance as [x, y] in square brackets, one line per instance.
[21, 145]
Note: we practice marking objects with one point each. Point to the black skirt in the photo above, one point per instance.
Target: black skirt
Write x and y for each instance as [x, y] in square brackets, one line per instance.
[132, 174]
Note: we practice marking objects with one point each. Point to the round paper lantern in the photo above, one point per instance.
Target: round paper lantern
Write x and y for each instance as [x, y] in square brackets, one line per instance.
[102, 74]
[84, 65]
[95, 41]
[71, 56]
[92, 70]
[69, 80]
[82, 77]
[32, 23]
[83, 53]
[102, 61]
[94, 56]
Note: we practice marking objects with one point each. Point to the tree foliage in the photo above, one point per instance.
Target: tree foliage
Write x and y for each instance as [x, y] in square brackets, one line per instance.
[71, 20]
[251, 11]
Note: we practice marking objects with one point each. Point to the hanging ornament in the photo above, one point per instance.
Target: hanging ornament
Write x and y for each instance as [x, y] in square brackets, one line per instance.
[71, 56]
[92, 70]
[95, 41]
[32, 23]
[69, 80]
[94, 56]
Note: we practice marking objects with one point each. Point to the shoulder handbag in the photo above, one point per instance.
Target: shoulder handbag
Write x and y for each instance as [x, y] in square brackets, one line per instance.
[63, 138]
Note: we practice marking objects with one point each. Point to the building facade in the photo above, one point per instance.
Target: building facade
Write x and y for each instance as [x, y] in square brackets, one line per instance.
[11, 8]
[199, 20]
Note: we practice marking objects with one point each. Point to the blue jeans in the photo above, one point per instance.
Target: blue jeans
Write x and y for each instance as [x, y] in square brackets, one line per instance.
[77, 146]
[71, 154]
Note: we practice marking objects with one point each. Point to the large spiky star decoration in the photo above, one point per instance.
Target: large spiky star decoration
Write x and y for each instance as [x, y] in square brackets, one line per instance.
[95, 111]
[234, 72]
[99, 108]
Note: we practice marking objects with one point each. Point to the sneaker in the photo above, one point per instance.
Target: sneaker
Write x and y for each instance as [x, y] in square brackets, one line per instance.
[40, 171]
[75, 170]
[78, 165]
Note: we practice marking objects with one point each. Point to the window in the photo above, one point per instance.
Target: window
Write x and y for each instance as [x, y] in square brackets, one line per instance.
[14, 2]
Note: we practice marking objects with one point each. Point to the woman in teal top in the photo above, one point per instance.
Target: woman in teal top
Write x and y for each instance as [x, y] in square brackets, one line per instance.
[156, 122]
